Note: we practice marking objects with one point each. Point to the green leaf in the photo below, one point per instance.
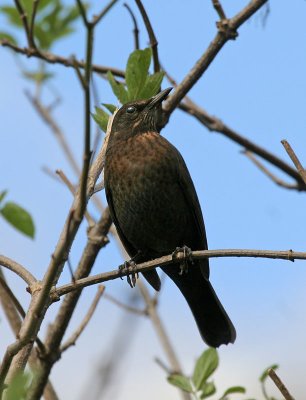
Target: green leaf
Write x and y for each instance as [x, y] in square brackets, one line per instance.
[2, 195]
[137, 71]
[12, 15]
[205, 366]
[7, 36]
[19, 218]
[118, 89]
[110, 107]
[181, 382]
[264, 375]
[233, 389]
[152, 85]
[207, 390]
[101, 117]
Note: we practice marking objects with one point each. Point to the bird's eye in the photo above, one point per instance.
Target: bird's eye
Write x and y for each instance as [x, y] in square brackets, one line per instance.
[131, 110]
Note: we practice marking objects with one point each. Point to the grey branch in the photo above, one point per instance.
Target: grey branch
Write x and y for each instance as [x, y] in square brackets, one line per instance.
[146, 266]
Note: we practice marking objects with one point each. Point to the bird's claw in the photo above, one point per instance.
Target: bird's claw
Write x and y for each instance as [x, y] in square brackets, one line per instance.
[187, 254]
[131, 278]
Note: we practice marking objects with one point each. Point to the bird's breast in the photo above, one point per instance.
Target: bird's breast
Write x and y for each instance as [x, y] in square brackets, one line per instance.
[141, 176]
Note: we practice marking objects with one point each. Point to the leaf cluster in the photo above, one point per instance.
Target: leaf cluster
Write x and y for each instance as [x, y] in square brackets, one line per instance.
[54, 20]
[199, 384]
[139, 84]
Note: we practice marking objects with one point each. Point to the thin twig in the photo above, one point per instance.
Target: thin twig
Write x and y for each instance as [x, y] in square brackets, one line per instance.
[278, 382]
[214, 124]
[72, 189]
[24, 19]
[265, 170]
[56, 59]
[218, 7]
[97, 18]
[82, 12]
[124, 306]
[34, 11]
[161, 333]
[71, 341]
[135, 30]
[152, 37]
[18, 269]
[301, 170]
[165, 260]
[224, 34]
[45, 114]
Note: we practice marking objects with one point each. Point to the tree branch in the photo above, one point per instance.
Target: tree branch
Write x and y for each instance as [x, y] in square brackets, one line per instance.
[71, 341]
[165, 260]
[282, 388]
[152, 37]
[301, 170]
[56, 59]
[225, 33]
[18, 269]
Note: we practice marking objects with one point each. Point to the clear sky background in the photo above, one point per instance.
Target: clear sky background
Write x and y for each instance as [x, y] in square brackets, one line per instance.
[257, 86]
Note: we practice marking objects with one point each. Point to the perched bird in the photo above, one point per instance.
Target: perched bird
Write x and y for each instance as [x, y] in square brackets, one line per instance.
[155, 208]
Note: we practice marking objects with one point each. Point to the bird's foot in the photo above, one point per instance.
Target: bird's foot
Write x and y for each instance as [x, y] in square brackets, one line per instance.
[130, 277]
[187, 254]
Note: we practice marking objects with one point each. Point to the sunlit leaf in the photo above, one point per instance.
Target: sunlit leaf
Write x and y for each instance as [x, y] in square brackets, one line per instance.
[110, 107]
[118, 89]
[137, 71]
[181, 382]
[207, 390]
[205, 366]
[2, 195]
[101, 117]
[233, 389]
[19, 218]
[152, 85]
[265, 373]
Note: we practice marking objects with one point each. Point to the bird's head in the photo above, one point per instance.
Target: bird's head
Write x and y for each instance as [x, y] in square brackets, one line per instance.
[138, 116]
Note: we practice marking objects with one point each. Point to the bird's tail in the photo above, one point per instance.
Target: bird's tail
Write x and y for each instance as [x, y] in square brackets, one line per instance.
[213, 322]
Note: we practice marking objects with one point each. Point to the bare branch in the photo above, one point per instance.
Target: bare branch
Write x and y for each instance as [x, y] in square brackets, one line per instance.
[165, 260]
[265, 170]
[152, 37]
[56, 59]
[45, 114]
[216, 125]
[82, 12]
[97, 18]
[71, 187]
[18, 269]
[225, 33]
[135, 30]
[31, 32]
[295, 160]
[71, 341]
[218, 7]
[24, 19]
[282, 388]
[161, 333]
[126, 307]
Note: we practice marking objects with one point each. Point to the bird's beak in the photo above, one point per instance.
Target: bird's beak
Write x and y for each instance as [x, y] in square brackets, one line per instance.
[159, 98]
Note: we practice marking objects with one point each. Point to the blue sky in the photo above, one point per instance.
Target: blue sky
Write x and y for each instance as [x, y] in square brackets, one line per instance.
[257, 86]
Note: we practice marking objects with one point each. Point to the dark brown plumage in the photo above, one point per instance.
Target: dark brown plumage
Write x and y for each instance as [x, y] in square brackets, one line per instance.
[155, 209]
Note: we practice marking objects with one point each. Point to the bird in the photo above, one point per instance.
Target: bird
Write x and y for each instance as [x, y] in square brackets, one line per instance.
[155, 209]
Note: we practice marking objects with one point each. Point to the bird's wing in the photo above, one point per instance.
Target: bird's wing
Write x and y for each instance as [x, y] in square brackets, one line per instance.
[151, 276]
[193, 205]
